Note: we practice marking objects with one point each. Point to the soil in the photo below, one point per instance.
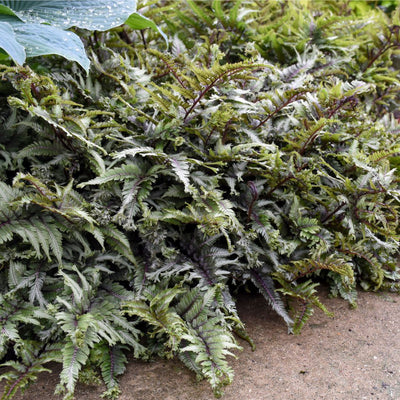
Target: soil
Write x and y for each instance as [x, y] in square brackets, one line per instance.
[353, 356]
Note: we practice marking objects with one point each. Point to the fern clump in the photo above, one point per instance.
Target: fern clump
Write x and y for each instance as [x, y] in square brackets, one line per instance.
[135, 200]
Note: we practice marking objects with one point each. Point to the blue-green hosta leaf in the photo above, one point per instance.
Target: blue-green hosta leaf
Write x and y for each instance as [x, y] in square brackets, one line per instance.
[9, 43]
[8, 17]
[20, 5]
[41, 39]
[98, 15]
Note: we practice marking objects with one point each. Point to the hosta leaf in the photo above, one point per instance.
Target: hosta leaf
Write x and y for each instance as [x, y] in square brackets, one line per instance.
[9, 43]
[18, 5]
[45, 21]
[98, 15]
[41, 39]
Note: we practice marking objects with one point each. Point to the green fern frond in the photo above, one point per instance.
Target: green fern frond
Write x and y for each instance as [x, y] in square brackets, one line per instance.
[304, 313]
[40, 232]
[305, 293]
[158, 313]
[12, 316]
[118, 241]
[306, 267]
[125, 172]
[200, 12]
[181, 169]
[33, 356]
[208, 339]
[211, 344]
[112, 364]
[42, 148]
[74, 357]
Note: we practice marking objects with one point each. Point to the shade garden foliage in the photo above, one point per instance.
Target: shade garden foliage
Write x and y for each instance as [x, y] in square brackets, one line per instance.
[259, 148]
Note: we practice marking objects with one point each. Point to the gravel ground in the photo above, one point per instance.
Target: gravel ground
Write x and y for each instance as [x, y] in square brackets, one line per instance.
[353, 356]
